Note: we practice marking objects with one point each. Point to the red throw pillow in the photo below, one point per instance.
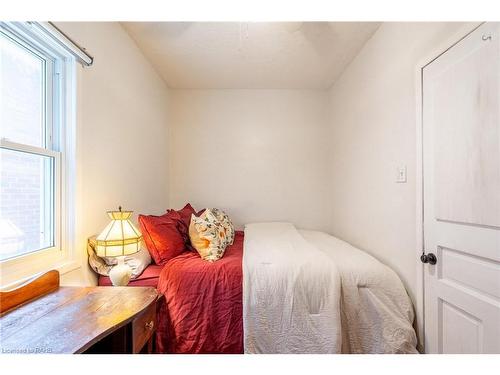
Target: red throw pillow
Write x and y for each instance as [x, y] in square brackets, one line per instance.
[162, 236]
[184, 221]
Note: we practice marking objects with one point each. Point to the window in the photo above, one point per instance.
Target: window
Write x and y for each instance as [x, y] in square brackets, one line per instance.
[36, 152]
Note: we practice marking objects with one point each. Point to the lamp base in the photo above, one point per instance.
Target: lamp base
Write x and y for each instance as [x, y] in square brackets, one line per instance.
[121, 273]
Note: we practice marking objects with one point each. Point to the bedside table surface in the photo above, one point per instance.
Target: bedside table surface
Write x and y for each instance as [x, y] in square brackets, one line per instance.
[71, 319]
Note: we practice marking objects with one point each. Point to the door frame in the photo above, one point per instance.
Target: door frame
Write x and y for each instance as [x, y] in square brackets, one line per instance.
[462, 32]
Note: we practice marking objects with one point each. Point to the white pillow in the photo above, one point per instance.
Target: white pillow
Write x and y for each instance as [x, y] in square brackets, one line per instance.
[137, 262]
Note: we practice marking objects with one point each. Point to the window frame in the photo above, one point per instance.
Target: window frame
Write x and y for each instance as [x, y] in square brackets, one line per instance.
[59, 119]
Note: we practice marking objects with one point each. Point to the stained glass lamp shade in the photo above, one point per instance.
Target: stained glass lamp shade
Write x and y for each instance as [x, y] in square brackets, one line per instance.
[120, 237]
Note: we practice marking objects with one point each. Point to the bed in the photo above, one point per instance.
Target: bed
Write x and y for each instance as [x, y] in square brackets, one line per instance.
[282, 290]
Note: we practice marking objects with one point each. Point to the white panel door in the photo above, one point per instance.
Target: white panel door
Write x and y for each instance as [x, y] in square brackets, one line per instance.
[461, 156]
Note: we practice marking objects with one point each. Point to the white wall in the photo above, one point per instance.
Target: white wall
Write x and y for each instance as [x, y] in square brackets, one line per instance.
[373, 130]
[122, 140]
[258, 154]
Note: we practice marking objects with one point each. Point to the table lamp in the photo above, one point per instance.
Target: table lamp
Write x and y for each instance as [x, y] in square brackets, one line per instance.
[118, 239]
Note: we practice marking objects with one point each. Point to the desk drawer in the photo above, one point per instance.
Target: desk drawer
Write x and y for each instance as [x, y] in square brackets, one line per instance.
[143, 328]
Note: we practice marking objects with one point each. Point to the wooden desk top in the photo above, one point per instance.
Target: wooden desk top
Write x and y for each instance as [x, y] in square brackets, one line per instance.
[71, 319]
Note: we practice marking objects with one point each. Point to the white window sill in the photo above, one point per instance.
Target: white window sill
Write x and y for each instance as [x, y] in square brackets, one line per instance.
[63, 268]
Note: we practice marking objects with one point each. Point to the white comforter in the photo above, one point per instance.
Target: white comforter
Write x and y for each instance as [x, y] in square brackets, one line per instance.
[377, 313]
[291, 293]
[309, 292]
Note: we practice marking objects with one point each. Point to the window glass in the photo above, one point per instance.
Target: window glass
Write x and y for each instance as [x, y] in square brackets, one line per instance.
[26, 202]
[22, 94]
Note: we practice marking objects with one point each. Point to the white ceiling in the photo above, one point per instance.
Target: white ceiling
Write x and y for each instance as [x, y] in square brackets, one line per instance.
[279, 55]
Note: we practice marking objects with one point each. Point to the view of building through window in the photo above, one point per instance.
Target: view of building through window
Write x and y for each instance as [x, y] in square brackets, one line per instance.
[26, 187]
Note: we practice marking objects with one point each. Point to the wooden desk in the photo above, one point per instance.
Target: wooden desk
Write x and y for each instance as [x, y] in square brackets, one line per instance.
[82, 320]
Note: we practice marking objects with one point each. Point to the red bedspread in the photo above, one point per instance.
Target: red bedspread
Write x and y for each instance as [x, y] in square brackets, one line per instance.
[203, 309]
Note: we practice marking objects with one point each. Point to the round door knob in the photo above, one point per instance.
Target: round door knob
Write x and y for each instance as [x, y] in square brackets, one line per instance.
[428, 258]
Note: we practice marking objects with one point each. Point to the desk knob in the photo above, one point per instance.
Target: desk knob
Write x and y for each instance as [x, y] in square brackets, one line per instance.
[150, 325]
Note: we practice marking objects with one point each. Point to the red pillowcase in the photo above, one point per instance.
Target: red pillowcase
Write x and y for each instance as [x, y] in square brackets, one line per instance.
[184, 221]
[162, 236]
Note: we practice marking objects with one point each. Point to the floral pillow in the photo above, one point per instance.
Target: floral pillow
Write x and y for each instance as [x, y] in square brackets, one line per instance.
[226, 224]
[209, 235]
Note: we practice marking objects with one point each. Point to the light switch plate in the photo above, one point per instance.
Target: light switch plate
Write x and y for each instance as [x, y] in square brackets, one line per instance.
[401, 174]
